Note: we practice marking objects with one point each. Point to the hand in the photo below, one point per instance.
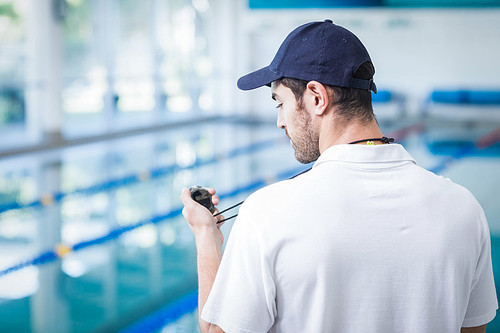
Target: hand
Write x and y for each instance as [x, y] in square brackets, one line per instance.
[199, 218]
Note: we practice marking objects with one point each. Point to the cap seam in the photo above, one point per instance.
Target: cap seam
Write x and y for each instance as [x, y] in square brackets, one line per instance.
[322, 55]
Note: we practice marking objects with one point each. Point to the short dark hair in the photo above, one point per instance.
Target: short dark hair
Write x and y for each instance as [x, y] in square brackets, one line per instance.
[350, 103]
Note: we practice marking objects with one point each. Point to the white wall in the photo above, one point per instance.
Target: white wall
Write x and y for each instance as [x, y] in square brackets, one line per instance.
[414, 50]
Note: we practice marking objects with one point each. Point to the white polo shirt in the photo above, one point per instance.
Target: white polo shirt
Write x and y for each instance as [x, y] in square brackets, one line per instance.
[367, 241]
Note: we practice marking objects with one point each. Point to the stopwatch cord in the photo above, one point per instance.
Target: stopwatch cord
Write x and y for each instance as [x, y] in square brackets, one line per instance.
[234, 206]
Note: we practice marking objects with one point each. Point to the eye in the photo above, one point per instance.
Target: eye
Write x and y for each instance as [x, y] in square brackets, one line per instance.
[279, 105]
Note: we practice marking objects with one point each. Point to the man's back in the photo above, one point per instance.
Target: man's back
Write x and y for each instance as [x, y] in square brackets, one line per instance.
[365, 242]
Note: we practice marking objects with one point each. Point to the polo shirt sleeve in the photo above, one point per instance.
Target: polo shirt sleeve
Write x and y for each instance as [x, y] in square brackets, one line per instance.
[242, 298]
[483, 299]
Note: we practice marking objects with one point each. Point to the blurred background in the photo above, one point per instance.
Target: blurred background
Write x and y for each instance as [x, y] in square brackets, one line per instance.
[109, 107]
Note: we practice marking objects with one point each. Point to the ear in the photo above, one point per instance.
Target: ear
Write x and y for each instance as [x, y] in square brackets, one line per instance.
[320, 97]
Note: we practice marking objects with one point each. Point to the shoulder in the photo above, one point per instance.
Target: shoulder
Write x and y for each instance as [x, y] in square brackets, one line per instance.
[268, 196]
[446, 186]
[456, 199]
[270, 202]
[276, 192]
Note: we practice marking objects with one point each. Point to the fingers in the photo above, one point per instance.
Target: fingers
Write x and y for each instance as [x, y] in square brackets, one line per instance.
[186, 197]
[189, 203]
[220, 218]
[215, 199]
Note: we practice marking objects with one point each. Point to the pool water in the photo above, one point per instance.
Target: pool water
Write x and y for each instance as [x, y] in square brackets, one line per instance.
[106, 249]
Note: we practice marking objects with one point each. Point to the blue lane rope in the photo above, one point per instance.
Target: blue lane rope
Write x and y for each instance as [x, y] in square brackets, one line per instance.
[50, 198]
[168, 314]
[161, 318]
[482, 143]
[187, 303]
[445, 163]
[171, 313]
[62, 250]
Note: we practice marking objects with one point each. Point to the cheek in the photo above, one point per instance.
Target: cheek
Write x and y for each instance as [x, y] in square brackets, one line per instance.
[288, 115]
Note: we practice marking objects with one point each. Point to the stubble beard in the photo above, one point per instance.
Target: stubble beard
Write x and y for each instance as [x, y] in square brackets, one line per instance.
[305, 140]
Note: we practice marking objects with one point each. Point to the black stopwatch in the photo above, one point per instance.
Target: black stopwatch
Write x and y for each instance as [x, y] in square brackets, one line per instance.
[203, 197]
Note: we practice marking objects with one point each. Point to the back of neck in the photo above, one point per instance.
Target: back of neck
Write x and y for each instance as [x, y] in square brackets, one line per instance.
[351, 132]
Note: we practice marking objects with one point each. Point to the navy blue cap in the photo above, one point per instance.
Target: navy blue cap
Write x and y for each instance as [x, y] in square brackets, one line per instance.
[319, 51]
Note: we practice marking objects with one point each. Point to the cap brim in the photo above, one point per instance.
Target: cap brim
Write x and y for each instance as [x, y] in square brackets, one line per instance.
[259, 78]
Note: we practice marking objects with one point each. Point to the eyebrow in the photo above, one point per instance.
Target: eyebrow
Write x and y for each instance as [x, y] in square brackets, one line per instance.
[274, 95]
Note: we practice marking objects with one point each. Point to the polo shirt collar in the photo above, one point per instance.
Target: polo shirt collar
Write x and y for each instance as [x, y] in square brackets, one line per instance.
[389, 153]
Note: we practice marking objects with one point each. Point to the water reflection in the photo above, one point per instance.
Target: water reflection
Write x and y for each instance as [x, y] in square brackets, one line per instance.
[113, 284]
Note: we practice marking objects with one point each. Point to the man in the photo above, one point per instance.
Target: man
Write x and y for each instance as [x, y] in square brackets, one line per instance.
[366, 241]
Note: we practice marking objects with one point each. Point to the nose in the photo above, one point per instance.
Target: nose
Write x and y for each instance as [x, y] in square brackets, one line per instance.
[280, 123]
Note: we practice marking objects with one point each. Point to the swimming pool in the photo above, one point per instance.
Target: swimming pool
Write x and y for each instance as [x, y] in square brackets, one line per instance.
[96, 242]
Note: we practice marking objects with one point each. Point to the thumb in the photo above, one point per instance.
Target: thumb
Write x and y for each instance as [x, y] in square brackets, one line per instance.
[186, 197]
